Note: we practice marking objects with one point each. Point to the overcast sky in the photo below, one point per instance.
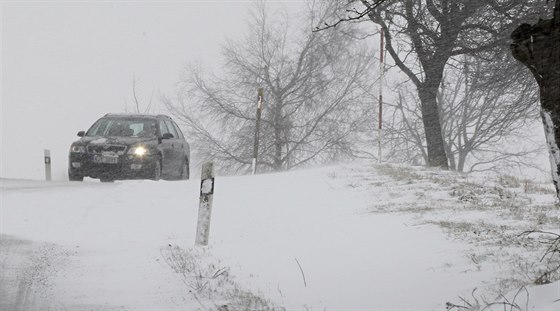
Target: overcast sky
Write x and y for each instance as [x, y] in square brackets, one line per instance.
[67, 63]
[64, 64]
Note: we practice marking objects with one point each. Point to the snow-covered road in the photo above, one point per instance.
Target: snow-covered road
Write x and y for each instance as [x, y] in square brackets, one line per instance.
[304, 239]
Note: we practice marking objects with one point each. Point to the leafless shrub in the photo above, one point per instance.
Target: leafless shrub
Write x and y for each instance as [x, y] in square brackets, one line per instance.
[509, 181]
[209, 282]
[245, 300]
[399, 173]
[551, 256]
[480, 303]
[196, 274]
[531, 187]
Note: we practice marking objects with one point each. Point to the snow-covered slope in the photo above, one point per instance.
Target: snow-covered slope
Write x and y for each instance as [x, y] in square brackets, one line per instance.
[352, 237]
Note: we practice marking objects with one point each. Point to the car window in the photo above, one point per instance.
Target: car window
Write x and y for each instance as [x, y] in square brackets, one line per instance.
[136, 128]
[171, 129]
[122, 127]
[178, 130]
[98, 128]
[145, 129]
[162, 128]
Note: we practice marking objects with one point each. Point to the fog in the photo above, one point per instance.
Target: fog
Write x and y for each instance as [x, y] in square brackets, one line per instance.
[413, 181]
[65, 64]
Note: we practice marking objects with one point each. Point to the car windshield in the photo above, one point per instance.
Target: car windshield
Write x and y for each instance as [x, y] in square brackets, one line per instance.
[123, 127]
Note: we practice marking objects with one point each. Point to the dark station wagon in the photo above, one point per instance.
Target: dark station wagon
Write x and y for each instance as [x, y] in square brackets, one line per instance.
[130, 146]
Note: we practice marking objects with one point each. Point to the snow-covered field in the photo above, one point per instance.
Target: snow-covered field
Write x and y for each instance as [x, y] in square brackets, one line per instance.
[348, 237]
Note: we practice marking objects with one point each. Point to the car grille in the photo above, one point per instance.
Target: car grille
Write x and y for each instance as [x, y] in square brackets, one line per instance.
[118, 149]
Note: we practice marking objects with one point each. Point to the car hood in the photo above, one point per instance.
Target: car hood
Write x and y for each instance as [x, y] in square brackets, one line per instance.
[110, 140]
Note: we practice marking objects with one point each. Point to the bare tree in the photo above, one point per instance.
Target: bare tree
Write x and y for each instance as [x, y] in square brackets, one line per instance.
[487, 103]
[315, 86]
[137, 104]
[422, 36]
[483, 105]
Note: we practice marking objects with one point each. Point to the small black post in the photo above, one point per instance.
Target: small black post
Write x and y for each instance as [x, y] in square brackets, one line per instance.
[48, 175]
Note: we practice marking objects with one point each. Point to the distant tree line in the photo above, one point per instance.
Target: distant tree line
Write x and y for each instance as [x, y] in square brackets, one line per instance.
[462, 94]
[316, 85]
[427, 39]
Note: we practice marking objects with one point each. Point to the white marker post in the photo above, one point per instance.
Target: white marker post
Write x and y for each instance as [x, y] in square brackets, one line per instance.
[48, 176]
[205, 205]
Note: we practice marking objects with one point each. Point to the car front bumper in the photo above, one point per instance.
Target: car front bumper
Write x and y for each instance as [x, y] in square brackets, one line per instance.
[126, 166]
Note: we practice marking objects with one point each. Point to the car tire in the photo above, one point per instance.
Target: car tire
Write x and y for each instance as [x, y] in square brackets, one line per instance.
[157, 170]
[75, 177]
[185, 170]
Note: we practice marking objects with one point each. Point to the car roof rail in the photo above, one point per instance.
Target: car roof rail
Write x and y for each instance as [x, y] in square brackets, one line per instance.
[164, 116]
[133, 115]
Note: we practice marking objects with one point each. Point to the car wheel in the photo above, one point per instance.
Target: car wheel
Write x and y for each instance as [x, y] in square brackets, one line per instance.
[157, 171]
[75, 177]
[185, 170]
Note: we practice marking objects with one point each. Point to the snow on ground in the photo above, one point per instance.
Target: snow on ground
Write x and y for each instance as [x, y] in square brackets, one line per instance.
[350, 237]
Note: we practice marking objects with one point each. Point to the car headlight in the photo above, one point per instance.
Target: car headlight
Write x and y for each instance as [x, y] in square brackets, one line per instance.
[139, 151]
[77, 149]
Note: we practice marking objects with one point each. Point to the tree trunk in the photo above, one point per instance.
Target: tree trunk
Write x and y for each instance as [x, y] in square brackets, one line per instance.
[450, 157]
[432, 126]
[538, 47]
[278, 139]
[462, 159]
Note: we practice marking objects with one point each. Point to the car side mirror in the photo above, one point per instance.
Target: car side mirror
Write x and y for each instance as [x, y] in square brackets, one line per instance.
[81, 133]
[167, 136]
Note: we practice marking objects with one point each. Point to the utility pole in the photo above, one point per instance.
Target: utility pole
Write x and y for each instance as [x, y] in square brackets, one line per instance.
[257, 128]
[382, 73]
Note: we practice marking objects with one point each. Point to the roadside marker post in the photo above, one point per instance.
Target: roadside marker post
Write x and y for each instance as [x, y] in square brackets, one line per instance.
[48, 175]
[380, 116]
[205, 204]
[257, 129]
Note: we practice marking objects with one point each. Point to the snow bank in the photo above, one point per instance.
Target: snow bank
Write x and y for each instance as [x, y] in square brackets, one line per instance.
[315, 239]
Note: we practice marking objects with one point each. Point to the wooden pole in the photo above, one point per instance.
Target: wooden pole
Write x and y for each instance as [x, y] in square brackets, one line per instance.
[48, 175]
[257, 129]
[380, 116]
[205, 204]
